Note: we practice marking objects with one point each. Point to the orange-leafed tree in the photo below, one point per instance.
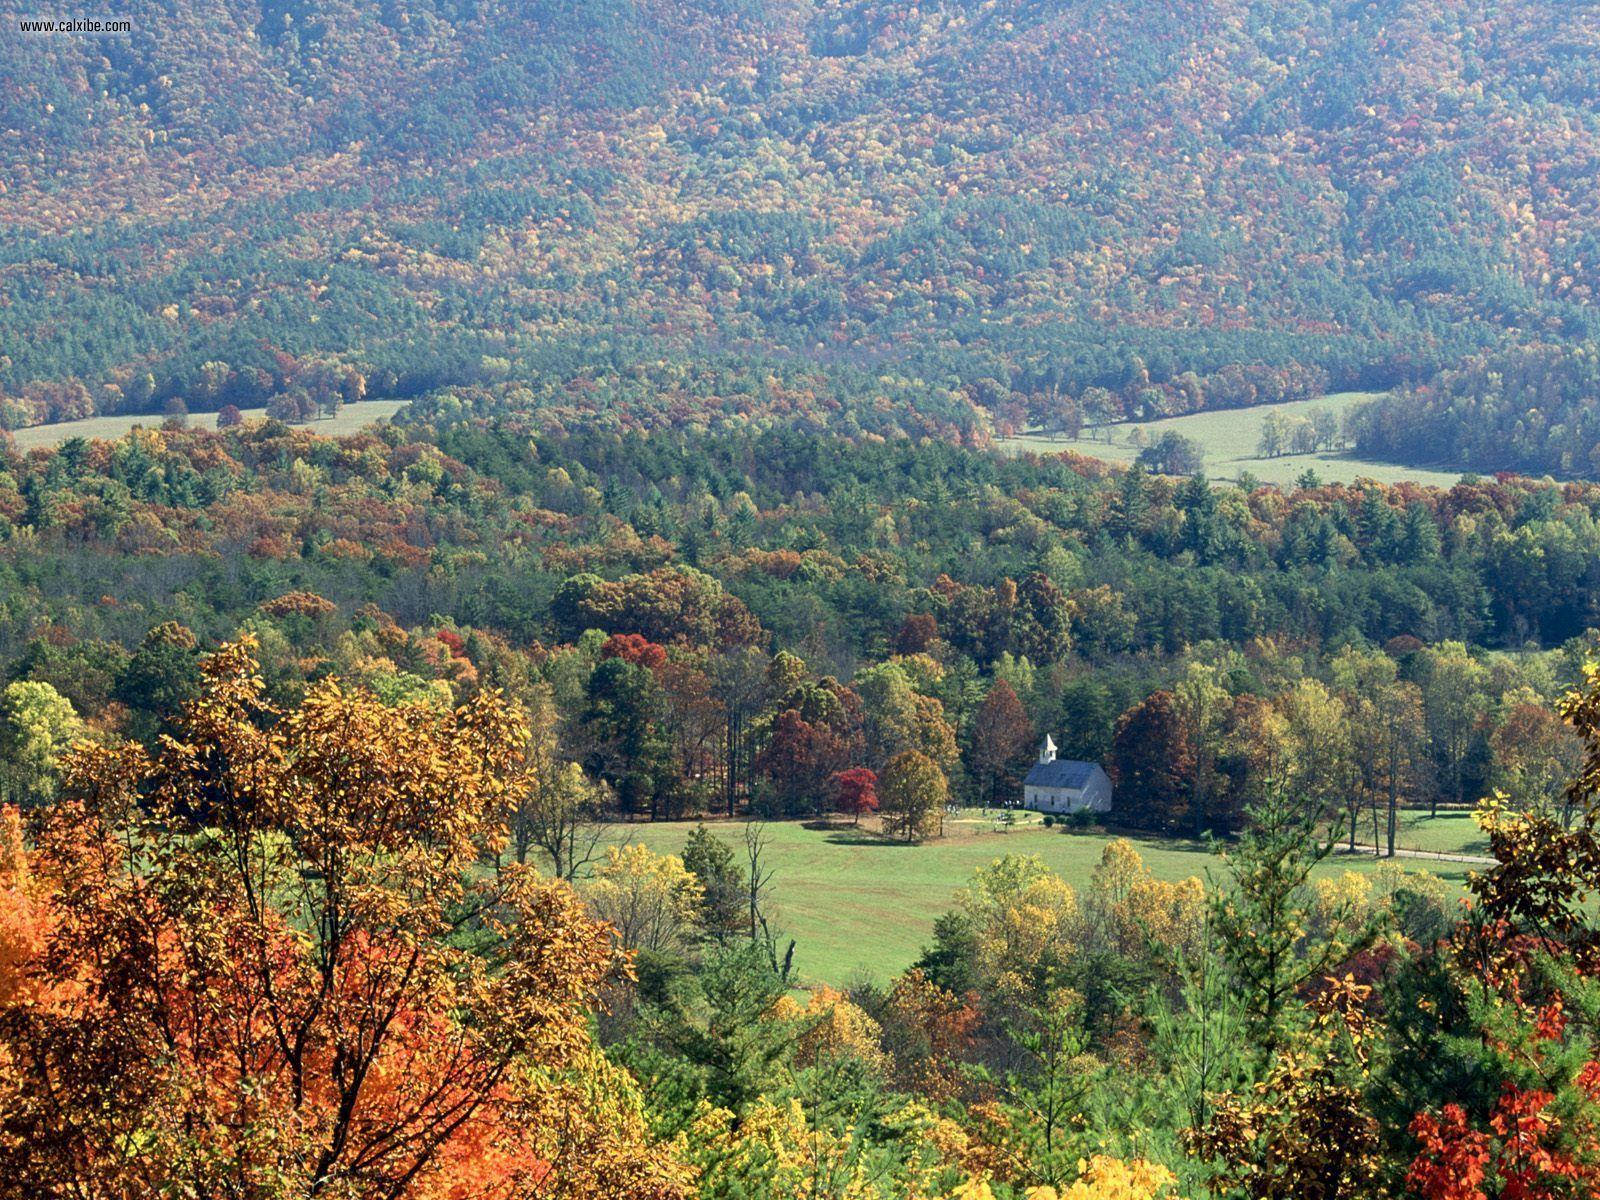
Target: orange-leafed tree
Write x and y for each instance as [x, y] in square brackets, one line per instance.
[928, 1031]
[281, 954]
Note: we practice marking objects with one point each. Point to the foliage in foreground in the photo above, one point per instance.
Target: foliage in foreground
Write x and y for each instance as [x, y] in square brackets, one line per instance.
[288, 950]
[266, 960]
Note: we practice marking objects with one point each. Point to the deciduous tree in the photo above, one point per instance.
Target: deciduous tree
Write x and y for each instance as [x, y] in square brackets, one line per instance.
[254, 980]
[1153, 763]
[1002, 739]
[37, 725]
[856, 792]
[912, 794]
[652, 900]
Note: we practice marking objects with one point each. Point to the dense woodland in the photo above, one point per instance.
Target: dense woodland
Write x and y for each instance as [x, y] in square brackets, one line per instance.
[308, 744]
[733, 619]
[948, 218]
[1535, 410]
[322, 760]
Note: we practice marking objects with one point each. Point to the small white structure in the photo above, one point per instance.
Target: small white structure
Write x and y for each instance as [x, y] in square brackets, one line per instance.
[1063, 786]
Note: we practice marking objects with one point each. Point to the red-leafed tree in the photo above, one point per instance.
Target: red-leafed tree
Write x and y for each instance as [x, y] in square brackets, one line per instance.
[634, 648]
[917, 633]
[1527, 964]
[856, 791]
[797, 762]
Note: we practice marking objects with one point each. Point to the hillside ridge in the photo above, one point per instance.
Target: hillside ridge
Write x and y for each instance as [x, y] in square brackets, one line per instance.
[948, 218]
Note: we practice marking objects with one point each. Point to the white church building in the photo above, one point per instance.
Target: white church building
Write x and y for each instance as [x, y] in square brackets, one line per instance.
[1060, 785]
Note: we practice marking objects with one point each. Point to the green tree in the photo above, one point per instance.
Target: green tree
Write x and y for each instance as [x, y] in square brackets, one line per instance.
[1263, 914]
[162, 676]
[625, 722]
[1196, 1041]
[889, 708]
[1452, 684]
[730, 1035]
[1388, 739]
[1043, 1098]
[912, 794]
[1203, 703]
[1320, 767]
[1274, 435]
[37, 725]
[722, 882]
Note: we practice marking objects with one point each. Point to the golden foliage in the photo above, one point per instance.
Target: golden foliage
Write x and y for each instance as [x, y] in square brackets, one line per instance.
[649, 898]
[833, 1027]
[1107, 1178]
[273, 963]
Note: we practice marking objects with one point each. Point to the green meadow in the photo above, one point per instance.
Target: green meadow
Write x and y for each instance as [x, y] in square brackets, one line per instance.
[349, 419]
[1230, 438]
[861, 907]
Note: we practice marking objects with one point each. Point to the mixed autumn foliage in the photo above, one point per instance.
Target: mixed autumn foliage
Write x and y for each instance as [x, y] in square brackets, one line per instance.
[1531, 409]
[944, 218]
[735, 620]
[287, 953]
[318, 757]
[332, 909]
[265, 960]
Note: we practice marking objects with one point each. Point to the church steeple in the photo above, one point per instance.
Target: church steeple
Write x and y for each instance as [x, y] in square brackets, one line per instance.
[1047, 752]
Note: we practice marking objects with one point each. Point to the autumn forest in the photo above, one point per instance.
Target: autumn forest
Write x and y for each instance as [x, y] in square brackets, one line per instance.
[604, 775]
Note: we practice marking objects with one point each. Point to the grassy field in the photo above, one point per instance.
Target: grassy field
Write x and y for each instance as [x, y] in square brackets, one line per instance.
[351, 418]
[860, 907]
[1448, 833]
[1229, 439]
[1452, 832]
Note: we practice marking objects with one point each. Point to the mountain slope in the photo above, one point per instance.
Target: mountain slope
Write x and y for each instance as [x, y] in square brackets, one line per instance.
[825, 210]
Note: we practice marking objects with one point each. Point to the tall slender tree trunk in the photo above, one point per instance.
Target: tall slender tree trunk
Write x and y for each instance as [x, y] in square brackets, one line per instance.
[732, 760]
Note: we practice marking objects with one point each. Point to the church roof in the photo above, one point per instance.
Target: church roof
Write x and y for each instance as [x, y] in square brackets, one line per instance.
[1062, 773]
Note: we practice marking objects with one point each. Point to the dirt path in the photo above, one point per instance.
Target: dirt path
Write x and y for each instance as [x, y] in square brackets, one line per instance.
[1482, 860]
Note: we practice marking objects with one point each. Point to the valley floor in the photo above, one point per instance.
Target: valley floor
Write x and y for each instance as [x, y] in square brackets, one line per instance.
[350, 418]
[861, 907]
[1230, 439]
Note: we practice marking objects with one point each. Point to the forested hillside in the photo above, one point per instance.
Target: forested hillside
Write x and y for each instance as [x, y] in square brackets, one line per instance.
[606, 778]
[945, 218]
[1535, 410]
[786, 606]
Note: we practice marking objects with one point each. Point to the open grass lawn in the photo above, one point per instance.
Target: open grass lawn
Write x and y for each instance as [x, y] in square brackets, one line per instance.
[860, 907]
[1451, 832]
[1230, 437]
[1448, 833]
[351, 418]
